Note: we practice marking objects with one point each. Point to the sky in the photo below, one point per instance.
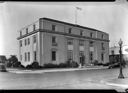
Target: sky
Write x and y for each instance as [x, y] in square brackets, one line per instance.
[110, 17]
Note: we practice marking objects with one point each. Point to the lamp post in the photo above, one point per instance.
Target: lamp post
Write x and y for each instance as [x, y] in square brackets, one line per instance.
[120, 51]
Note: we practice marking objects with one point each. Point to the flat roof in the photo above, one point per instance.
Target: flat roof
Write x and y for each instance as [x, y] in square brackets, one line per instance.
[75, 25]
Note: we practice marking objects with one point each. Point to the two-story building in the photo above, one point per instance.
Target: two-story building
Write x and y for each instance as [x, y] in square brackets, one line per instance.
[53, 41]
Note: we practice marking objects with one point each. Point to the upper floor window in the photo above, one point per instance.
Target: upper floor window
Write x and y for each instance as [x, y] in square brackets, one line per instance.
[28, 41]
[20, 43]
[91, 43]
[25, 41]
[81, 32]
[91, 34]
[102, 46]
[34, 27]
[102, 36]
[34, 39]
[54, 41]
[81, 43]
[70, 30]
[70, 42]
[26, 30]
[53, 27]
[20, 33]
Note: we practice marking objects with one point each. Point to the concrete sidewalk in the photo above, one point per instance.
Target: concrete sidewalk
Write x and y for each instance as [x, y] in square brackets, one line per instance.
[120, 83]
[55, 70]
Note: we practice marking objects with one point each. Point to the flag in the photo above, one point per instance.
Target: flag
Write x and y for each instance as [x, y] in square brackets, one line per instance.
[78, 8]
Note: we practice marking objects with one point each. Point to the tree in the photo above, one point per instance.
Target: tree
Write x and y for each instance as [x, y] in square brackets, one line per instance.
[13, 60]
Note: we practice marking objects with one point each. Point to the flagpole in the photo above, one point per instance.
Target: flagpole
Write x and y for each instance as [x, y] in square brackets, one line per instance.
[75, 15]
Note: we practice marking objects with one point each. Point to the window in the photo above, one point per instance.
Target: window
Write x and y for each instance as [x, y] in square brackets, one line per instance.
[28, 41]
[20, 33]
[28, 56]
[34, 55]
[70, 30]
[70, 41]
[53, 39]
[91, 43]
[34, 39]
[26, 30]
[102, 46]
[81, 43]
[70, 54]
[21, 57]
[81, 53]
[20, 43]
[81, 32]
[53, 27]
[102, 56]
[34, 27]
[91, 34]
[25, 56]
[102, 36]
[91, 56]
[53, 55]
[112, 52]
[25, 42]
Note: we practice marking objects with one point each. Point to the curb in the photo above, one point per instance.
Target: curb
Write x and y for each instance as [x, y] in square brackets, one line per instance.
[58, 70]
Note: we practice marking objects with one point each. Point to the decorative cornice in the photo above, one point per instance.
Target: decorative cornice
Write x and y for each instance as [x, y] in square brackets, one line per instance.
[60, 33]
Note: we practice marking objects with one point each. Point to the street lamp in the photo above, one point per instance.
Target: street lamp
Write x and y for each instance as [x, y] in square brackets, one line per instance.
[120, 51]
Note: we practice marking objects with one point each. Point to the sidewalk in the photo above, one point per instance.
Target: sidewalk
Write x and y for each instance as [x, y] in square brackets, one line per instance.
[123, 83]
[55, 70]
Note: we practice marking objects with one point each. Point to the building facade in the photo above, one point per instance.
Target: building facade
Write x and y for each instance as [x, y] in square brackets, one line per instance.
[53, 41]
[114, 53]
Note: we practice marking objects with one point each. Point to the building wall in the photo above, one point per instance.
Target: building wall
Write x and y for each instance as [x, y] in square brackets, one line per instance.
[44, 46]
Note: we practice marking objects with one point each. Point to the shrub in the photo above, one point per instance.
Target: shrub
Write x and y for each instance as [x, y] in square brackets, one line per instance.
[29, 66]
[95, 62]
[75, 64]
[50, 65]
[35, 65]
[9, 64]
[62, 65]
[16, 64]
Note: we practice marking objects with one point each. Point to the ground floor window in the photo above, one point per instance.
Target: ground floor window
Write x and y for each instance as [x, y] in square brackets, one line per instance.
[102, 56]
[35, 55]
[70, 54]
[21, 57]
[53, 55]
[28, 56]
[25, 55]
[91, 56]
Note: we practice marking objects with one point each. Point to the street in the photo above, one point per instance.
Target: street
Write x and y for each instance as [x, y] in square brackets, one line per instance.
[80, 79]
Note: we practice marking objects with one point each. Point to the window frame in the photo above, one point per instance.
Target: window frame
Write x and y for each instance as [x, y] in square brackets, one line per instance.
[70, 30]
[69, 41]
[70, 54]
[53, 27]
[53, 55]
[81, 32]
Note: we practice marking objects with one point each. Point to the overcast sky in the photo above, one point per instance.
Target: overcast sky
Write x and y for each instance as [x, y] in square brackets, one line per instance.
[107, 17]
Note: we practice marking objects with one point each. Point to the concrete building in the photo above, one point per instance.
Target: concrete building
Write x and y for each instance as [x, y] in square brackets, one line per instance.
[52, 41]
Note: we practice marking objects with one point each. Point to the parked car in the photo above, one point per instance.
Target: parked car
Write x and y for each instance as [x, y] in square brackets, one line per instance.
[115, 65]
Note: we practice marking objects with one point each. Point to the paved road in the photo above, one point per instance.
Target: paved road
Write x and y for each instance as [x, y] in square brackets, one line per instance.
[83, 79]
